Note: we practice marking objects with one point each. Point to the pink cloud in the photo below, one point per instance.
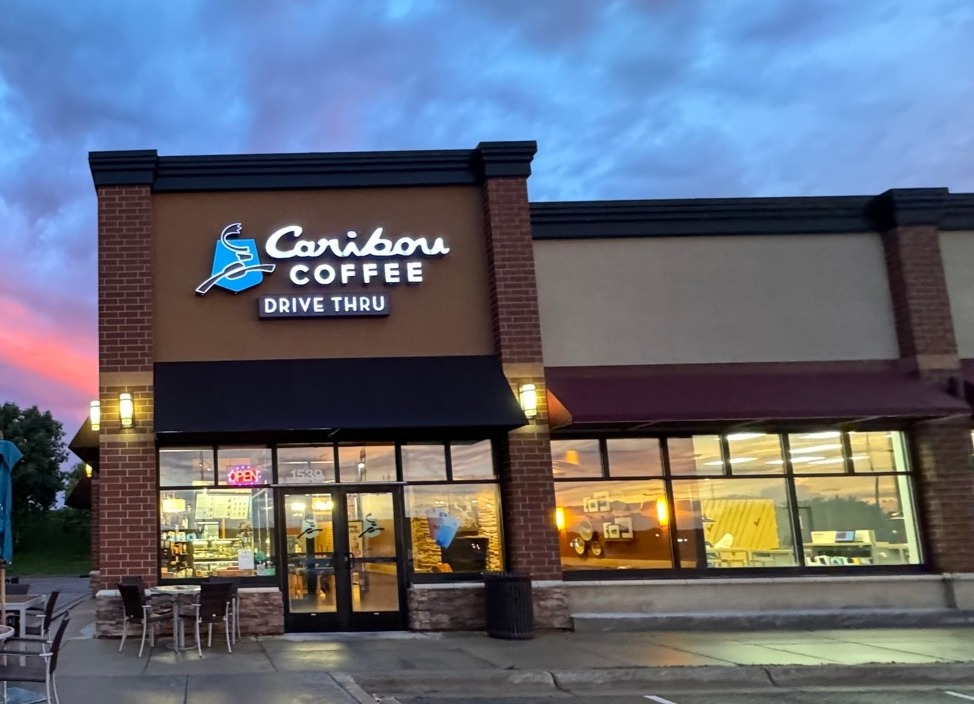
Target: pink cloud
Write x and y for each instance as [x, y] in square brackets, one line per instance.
[46, 352]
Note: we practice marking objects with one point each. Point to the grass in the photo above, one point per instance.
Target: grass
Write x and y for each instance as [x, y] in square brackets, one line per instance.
[49, 563]
[52, 544]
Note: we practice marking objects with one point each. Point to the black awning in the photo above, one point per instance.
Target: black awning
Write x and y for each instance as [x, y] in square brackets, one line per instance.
[80, 496]
[393, 393]
[85, 444]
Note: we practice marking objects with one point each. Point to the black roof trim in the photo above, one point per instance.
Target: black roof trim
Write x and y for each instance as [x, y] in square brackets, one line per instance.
[752, 216]
[960, 212]
[699, 216]
[239, 172]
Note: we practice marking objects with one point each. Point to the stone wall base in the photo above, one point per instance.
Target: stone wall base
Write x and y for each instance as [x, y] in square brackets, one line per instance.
[460, 607]
[261, 613]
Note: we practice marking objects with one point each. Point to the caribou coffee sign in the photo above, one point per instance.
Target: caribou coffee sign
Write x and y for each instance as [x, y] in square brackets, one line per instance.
[324, 270]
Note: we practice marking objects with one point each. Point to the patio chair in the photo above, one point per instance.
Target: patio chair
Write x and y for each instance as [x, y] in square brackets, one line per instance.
[19, 589]
[23, 666]
[212, 607]
[234, 605]
[41, 631]
[137, 611]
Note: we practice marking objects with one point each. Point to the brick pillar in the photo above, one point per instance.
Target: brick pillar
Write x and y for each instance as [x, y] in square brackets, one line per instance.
[94, 535]
[127, 521]
[909, 221]
[526, 481]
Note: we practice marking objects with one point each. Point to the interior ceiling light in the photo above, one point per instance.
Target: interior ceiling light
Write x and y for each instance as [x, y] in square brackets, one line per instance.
[745, 436]
[816, 448]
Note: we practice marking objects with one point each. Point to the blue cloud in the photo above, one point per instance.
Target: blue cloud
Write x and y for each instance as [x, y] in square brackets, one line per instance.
[627, 99]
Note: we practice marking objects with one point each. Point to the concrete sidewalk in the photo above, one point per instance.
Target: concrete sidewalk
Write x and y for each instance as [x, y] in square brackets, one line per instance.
[353, 667]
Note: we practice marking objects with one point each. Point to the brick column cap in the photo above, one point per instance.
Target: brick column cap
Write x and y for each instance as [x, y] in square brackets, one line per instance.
[123, 168]
[500, 159]
[905, 207]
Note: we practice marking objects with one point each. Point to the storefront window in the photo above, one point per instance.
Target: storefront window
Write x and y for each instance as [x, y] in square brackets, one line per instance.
[878, 452]
[857, 520]
[734, 501]
[216, 533]
[367, 463]
[613, 525]
[455, 528]
[755, 453]
[306, 465]
[244, 466]
[699, 455]
[424, 463]
[733, 523]
[816, 452]
[472, 460]
[576, 458]
[634, 457]
[185, 466]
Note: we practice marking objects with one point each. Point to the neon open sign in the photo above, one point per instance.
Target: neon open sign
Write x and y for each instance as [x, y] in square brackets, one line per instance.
[243, 475]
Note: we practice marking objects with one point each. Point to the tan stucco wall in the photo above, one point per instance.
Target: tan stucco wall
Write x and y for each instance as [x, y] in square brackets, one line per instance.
[957, 249]
[684, 300]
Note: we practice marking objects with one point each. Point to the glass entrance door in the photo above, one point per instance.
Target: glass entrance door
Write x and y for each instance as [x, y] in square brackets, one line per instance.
[343, 559]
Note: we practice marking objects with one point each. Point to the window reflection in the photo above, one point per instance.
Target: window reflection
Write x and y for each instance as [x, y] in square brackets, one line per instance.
[634, 457]
[185, 466]
[455, 527]
[818, 451]
[857, 520]
[699, 454]
[306, 465]
[424, 463]
[613, 525]
[755, 453]
[878, 452]
[575, 458]
[733, 523]
[367, 463]
[472, 460]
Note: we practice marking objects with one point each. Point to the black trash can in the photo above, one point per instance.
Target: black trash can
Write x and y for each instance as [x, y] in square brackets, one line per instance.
[509, 609]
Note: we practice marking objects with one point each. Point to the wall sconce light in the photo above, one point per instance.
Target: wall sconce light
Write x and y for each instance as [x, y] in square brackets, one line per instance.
[529, 400]
[126, 409]
[662, 511]
[94, 415]
[88, 471]
[560, 518]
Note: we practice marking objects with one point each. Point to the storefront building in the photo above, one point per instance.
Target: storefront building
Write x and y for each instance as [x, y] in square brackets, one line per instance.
[356, 382]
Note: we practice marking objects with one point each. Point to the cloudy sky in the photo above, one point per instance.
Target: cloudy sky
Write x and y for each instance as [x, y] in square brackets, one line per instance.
[627, 99]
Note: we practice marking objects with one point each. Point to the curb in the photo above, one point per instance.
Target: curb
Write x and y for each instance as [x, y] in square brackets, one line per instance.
[876, 675]
[624, 680]
[470, 682]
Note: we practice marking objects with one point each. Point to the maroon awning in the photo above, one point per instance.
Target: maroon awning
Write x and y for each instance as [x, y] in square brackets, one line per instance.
[737, 393]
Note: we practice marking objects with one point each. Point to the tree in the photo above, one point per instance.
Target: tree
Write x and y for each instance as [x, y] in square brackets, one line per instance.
[37, 477]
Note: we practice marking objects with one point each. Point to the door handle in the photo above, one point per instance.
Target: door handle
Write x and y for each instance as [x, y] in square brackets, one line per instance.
[349, 559]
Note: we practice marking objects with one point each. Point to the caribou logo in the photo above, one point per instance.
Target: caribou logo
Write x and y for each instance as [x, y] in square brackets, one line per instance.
[236, 264]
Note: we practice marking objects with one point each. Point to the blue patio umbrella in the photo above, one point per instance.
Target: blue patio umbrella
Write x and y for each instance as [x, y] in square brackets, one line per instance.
[9, 456]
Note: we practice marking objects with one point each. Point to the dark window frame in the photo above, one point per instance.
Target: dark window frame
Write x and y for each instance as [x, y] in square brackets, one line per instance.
[789, 476]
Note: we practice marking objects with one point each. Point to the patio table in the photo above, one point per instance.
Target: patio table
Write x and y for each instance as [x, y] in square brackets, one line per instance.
[178, 592]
